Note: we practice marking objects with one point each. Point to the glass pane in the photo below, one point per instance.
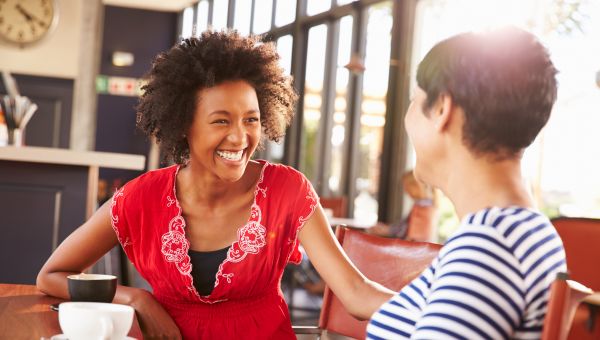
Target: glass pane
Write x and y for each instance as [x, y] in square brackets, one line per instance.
[219, 19]
[285, 12]
[188, 22]
[202, 16]
[564, 162]
[343, 2]
[372, 115]
[275, 151]
[284, 48]
[313, 87]
[263, 10]
[241, 20]
[317, 6]
[338, 134]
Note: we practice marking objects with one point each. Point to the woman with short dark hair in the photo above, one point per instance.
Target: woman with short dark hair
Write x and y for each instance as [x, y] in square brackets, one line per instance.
[482, 98]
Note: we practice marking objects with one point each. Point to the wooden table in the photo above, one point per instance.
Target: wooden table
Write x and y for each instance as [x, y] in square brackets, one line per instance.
[25, 314]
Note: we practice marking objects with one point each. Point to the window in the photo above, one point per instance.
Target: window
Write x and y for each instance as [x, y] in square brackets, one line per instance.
[263, 11]
[313, 94]
[372, 113]
[202, 16]
[284, 48]
[241, 21]
[219, 19]
[285, 12]
[338, 143]
[563, 164]
[187, 24]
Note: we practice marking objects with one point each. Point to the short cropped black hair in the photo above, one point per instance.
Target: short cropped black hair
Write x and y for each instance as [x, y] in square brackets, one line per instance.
[504, 81]
[167, 107]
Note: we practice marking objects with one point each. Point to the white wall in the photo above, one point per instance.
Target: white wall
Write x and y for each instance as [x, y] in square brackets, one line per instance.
[57, 55]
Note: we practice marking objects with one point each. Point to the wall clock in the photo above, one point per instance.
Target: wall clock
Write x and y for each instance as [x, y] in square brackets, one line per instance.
[26, 21]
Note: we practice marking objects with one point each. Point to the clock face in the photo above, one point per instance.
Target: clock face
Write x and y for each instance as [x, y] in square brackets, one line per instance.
[26, 21]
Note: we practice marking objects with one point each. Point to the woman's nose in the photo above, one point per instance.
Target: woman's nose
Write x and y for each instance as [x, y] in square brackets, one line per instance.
[238, 134]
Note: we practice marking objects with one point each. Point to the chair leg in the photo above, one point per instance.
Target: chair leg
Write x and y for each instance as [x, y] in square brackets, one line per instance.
[591, 322]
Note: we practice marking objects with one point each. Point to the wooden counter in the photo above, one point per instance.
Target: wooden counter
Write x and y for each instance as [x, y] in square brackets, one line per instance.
[45, 194]
[72, 157]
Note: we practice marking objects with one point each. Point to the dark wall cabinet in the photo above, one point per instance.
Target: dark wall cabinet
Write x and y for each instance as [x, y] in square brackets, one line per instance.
[45, 194]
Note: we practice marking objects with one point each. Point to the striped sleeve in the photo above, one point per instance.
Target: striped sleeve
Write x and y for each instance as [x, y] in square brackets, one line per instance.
[396, 319]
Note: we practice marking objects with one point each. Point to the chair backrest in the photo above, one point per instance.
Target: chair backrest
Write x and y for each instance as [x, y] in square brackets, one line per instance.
[391, 262]
[565, 296]
[338, 205]
[580, 238]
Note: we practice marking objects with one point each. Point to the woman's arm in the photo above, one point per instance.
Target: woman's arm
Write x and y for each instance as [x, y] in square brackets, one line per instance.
[82, 249]
[361, 296]
[77, 252]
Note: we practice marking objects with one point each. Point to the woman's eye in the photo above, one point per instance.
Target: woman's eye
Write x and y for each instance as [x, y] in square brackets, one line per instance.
[253, 119]
[220, 121]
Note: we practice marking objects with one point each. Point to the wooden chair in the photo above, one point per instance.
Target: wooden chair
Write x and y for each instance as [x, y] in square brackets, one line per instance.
[338, 205]
[580, 238]
[391, 262]
[565, 296]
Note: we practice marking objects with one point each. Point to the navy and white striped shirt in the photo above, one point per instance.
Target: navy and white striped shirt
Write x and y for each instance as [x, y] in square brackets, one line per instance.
[490, 281]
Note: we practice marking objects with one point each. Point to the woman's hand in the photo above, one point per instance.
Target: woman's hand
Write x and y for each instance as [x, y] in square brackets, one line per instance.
[154, 320]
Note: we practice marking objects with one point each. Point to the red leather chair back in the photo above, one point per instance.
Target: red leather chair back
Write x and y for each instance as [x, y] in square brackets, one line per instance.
[391, 262]
[338, 205]
[565, 296]
[580, 237]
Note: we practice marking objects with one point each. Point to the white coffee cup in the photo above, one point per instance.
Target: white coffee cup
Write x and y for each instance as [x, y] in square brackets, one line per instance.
[95, 320]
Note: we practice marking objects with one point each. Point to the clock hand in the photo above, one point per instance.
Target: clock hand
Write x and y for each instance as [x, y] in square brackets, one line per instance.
[29, 17]
[23, 12]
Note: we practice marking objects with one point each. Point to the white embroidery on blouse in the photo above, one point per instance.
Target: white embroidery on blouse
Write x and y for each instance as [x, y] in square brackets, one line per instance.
[114, 218]
[251, 237]
[312, 197]
[175, 246]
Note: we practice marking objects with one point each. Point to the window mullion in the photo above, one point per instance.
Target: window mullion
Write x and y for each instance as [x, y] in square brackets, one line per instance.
[293, 137]
[355, 82]
[210, 13]
[231, 13]
[327, 109]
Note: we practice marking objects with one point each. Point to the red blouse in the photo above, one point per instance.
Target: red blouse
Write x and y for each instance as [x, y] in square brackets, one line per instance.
[246, 302]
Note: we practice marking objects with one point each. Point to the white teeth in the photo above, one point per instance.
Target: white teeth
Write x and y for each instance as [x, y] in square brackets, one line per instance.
[233, 156]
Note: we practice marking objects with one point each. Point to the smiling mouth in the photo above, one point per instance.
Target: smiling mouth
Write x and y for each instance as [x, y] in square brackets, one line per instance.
[231, 156]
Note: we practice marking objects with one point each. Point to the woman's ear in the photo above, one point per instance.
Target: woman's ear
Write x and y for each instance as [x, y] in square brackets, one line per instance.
[443, 111]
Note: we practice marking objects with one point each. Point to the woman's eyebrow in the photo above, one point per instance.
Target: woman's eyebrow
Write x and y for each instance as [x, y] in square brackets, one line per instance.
[219, 112]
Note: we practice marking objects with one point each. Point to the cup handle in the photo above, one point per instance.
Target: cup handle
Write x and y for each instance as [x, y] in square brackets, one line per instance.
[107, 327]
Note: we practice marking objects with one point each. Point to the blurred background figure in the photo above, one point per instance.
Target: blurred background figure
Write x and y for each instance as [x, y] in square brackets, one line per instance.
[422, 220]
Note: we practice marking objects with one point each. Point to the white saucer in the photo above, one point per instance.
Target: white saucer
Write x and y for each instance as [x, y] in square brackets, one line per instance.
[63, 337]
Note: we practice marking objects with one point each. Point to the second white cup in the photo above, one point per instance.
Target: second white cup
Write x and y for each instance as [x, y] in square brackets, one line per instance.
[95, 320]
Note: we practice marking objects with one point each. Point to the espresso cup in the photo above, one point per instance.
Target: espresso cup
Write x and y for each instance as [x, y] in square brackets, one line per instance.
[95, 320]
[92, 287]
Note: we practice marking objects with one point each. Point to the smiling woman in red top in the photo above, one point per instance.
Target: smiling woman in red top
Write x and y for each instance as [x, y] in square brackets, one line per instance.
[213, 233]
